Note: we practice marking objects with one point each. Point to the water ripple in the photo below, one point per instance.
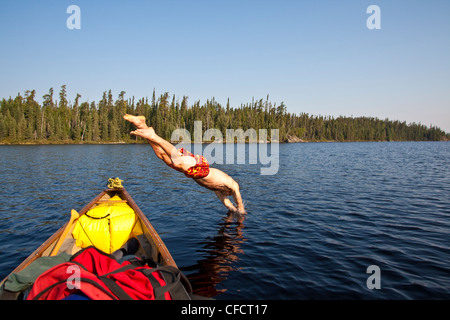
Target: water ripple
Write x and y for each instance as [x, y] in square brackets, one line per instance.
[310, 233]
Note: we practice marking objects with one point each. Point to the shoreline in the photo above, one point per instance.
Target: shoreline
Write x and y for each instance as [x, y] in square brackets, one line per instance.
[59, 143]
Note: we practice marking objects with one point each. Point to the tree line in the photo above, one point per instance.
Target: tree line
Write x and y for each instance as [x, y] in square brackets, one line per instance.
[56, 120]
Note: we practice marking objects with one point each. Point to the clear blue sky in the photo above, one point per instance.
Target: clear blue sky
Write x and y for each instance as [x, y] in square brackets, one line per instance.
[316, 56]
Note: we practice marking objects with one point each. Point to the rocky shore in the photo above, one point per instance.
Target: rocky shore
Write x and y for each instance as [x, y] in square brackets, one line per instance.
[293, 139]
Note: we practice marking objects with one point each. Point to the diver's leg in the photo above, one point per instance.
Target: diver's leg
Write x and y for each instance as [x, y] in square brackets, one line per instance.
[139, 122]
[165, 150]
[160, 153]
[172, 155]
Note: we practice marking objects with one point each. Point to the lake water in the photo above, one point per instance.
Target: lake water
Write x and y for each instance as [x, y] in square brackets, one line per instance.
[312, 230]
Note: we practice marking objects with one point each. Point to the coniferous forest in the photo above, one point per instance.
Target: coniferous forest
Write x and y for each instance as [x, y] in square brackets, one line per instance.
[56, 120]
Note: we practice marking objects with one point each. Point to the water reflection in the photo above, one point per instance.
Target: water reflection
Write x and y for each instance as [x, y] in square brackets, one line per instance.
[221, 253]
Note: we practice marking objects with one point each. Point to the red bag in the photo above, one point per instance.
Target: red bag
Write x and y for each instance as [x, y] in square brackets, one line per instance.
[100, 277]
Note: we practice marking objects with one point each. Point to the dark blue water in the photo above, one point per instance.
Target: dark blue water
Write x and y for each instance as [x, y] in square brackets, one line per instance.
[312, 230]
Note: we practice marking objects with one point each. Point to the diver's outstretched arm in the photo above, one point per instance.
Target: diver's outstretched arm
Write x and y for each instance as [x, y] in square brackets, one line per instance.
[238, 200]
[226, 202]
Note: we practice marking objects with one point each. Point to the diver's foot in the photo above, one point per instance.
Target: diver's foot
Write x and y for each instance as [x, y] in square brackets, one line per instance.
[138, 121]
[146, 133]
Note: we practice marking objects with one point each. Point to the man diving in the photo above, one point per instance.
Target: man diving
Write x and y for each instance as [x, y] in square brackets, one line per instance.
[195, 167]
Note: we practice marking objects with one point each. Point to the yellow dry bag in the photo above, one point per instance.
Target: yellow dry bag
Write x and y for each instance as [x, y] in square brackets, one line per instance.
[107, 226]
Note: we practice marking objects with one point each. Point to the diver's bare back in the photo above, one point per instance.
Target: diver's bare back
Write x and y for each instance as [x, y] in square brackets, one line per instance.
[217, 180]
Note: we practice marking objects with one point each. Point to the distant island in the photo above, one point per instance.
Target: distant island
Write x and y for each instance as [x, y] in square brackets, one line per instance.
[24, 121]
